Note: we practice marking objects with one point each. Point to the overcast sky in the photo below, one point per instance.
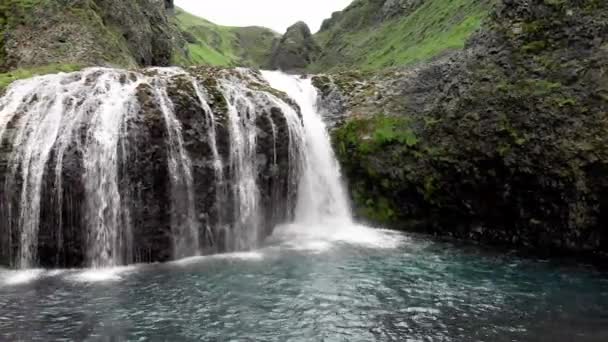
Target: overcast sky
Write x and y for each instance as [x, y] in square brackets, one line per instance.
[275, 14]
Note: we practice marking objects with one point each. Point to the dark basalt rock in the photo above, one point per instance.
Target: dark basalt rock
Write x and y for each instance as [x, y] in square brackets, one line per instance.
[510, 135]
[296, 49]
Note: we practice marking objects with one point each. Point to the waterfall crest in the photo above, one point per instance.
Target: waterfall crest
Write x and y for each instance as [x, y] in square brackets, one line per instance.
[105, 167]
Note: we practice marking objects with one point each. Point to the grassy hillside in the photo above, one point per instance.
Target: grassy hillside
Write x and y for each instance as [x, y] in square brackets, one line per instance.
[359, 37]
[46, 36]
[218, 45]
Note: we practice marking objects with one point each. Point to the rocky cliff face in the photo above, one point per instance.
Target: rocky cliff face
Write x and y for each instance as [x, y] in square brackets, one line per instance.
[296, 49]
[504, 142]
[87, 32]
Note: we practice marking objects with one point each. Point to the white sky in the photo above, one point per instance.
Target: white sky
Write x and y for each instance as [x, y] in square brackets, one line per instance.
[274, 14]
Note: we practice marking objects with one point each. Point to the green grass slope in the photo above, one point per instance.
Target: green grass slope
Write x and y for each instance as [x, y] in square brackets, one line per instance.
[212, 44]
[357, 37]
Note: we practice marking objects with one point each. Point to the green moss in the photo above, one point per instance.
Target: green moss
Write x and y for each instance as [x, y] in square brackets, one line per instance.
[539, 87]
[367, 135]
[565, 102]
[533, 27]
[7, 78]
[534, 47]
[378, 210]
[111, 47]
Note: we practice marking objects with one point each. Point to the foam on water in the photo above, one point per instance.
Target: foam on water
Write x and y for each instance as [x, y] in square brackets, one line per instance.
[96, 275]
[251, 255]
[321, 237]
[13, 278]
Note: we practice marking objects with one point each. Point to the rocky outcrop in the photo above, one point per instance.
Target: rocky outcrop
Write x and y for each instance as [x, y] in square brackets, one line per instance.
[505, 142]
[296, 49]
[87, 32]
[392, 8]
[144, 25]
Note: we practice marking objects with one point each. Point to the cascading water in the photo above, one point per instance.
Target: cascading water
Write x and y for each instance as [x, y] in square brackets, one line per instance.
[183, 216]
[244, 160]
[106, 167]
[48, 110]
[218, 164]
[321, 196]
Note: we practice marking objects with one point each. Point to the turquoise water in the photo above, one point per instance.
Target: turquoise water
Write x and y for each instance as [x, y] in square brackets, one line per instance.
[356, 285]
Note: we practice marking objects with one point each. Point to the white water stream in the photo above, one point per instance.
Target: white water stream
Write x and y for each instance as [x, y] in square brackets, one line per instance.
[321, 195]
[51, 121]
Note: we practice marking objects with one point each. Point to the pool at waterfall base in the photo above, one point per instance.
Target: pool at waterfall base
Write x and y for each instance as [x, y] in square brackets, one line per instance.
[355, 284]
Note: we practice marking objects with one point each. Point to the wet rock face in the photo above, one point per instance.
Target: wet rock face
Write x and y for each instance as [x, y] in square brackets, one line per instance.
[296, 49]
[503, 143]
[145, 179]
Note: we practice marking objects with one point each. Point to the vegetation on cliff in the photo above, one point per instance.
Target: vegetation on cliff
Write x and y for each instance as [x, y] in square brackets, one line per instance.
[513, 147]
[212, 44]
[374, 34]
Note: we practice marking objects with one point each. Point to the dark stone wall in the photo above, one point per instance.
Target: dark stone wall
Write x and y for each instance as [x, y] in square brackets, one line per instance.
[509, 145]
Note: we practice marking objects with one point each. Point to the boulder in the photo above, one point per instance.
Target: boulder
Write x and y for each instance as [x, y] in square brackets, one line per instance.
[295, 50]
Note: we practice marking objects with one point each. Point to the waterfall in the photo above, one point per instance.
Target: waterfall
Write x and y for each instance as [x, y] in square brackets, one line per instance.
[321, 195]
[184, 222]
[243, 104]
[50, 112]
[106, 167]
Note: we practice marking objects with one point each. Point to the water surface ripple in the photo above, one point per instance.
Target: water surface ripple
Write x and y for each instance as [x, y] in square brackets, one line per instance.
[364, 286]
